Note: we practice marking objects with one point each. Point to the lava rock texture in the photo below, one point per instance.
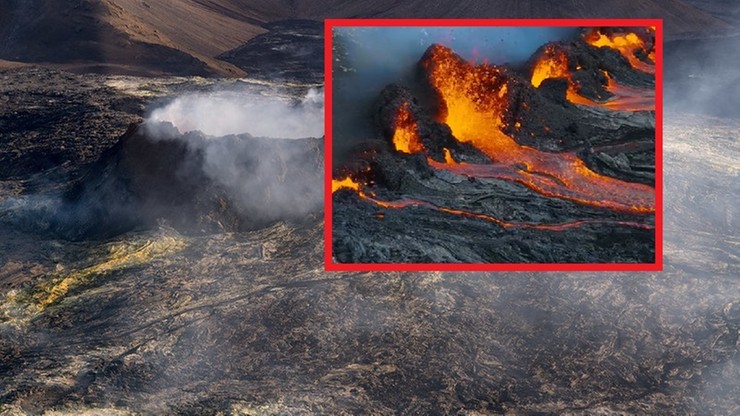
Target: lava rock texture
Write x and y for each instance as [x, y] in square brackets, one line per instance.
[153, 321]
[292, 51]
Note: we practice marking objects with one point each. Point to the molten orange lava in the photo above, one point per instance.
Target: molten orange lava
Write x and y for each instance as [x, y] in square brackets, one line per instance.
[474, 104]
[346, 183]
[554, 64]
[405, 203]
[448, 157]
[551, 65]
[405, 137]
[626, 44]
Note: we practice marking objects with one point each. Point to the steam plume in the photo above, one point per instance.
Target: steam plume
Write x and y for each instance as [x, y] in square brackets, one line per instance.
[227, 112]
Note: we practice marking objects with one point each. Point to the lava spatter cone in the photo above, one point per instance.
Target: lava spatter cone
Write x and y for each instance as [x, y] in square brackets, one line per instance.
[596, 77]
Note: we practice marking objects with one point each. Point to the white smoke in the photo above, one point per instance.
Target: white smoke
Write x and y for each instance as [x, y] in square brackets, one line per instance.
[226, 112]
[246, 144]
[264, 176]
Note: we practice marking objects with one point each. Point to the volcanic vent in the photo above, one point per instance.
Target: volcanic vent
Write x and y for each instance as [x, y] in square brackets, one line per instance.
[546, 163]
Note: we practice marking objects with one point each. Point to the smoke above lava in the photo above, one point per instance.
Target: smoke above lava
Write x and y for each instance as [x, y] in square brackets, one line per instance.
[701, 76]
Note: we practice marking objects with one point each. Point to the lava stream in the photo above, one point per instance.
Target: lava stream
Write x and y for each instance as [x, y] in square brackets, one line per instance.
[571, 183]
[628, 98]
[474, 102]
[349, 184]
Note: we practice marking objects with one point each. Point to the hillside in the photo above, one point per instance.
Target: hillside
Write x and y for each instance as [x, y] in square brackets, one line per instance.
[144, 38]
[680, 18]
[726, 10]
[187, 36]
[185, 25]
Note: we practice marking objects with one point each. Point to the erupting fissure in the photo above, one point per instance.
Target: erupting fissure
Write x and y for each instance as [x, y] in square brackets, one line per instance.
[475, 100]
[554, 64]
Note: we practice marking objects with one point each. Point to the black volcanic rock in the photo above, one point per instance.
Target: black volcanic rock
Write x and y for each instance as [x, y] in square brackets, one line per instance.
[292, 50]
[81, 114]
[435, 136]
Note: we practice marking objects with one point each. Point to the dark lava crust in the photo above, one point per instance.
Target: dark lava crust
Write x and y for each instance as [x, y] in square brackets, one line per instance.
[292, 51]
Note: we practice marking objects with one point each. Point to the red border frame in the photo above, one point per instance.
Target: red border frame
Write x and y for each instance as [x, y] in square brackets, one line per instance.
[657, 265]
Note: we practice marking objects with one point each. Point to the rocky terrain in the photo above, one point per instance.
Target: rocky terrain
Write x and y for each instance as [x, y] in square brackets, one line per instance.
[293, 50]
[162, 318]
[158, 320]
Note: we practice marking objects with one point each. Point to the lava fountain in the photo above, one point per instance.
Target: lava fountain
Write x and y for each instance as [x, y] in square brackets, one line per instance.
[473, 102]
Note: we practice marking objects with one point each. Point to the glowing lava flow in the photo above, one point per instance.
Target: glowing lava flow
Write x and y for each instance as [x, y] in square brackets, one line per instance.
[350, 184]
[474, 101]
[554, 64]
[346, 183]
[626, 44]
[628, 98]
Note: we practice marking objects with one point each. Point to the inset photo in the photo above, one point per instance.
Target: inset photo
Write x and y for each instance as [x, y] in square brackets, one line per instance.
[493, 145]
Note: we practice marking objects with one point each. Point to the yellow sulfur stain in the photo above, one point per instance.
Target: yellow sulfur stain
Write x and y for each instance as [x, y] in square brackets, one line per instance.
[118, 256]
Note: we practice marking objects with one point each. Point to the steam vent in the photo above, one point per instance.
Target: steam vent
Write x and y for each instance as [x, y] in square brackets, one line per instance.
[552, 161]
